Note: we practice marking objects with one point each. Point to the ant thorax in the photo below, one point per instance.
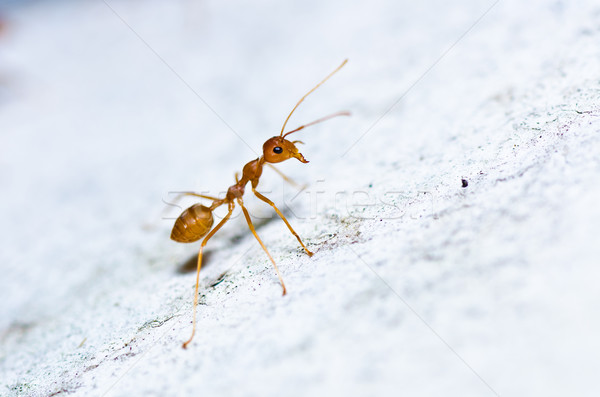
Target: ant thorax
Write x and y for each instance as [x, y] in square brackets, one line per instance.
[235, 191]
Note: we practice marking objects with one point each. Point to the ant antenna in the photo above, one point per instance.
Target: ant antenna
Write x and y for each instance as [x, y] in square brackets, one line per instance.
[315, 122]
[308, 93]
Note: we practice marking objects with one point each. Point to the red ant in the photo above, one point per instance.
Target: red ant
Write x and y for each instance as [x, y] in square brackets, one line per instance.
[196, 221]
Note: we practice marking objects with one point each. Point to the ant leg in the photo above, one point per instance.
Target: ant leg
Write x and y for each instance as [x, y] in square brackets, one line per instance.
[237, 177]
[266, 200]
[212, 232]
[180, 195]
[151, 225]
[287, 178]
[251, 226]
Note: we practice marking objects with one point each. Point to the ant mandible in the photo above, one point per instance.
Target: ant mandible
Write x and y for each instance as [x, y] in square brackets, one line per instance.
[196, 221]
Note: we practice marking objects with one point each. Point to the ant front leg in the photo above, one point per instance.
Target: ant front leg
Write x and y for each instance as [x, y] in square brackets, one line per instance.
[287, 178]
[266, 200]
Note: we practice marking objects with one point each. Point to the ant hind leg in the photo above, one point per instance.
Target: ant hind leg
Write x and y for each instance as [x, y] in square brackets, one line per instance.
[212, 233]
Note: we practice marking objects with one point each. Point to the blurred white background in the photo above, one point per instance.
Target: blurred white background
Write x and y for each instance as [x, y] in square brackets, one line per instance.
[418, 286]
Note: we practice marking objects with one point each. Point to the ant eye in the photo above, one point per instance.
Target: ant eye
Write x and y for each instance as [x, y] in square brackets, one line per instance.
[277, 149]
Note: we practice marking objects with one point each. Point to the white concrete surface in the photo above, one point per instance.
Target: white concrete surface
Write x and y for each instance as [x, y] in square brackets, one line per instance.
[419, 287]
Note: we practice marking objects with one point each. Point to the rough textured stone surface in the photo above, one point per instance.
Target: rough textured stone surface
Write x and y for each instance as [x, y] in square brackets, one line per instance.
[419, 286]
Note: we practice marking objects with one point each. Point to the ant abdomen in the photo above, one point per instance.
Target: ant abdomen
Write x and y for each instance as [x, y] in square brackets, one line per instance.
[193, 223]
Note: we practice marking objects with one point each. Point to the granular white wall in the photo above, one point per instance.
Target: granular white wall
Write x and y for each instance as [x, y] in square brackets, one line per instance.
[419, 286]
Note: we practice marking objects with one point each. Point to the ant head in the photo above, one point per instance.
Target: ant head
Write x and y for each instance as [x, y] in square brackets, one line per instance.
[278, 149]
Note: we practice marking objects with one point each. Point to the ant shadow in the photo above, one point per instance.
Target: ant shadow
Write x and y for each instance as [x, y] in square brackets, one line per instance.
[191, 264]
